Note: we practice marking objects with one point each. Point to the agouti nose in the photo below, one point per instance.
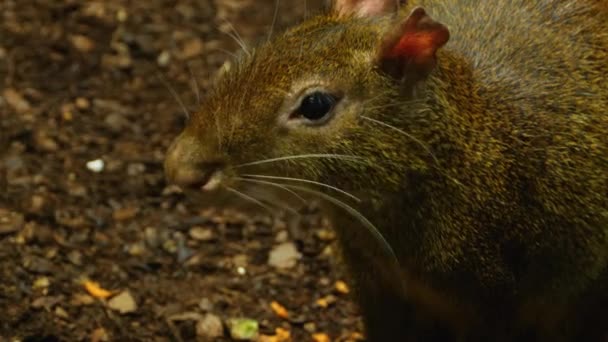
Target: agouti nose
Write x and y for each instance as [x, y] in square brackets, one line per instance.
[195, 178]
[186, 166]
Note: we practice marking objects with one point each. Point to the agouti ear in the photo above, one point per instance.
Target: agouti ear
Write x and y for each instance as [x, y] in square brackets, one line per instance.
[365, 8]
[409, 51]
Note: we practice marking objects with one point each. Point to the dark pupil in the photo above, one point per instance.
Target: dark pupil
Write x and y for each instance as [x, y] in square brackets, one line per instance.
[316, 105]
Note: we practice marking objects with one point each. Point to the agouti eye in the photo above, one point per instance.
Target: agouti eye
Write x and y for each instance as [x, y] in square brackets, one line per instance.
[316, 106]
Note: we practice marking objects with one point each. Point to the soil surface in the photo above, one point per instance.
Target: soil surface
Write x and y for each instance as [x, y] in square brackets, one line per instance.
[94, 246]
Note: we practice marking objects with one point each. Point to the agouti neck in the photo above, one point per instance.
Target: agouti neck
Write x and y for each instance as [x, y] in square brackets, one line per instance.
[451, 112]
[461, 125]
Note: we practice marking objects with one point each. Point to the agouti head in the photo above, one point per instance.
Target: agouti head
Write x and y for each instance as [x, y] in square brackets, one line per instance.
[317, 104]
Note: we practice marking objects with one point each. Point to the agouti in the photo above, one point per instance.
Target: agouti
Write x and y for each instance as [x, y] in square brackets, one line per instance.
[460, 146]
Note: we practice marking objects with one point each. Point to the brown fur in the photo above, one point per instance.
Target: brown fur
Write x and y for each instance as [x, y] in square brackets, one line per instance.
[501, 229]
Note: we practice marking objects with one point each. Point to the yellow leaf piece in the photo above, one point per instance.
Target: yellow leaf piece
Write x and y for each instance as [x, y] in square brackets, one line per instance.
[95, 290]
[279, 309]
[342, 287]
[320, 337]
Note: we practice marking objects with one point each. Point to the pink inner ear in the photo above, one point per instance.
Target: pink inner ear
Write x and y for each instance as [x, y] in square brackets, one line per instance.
[417, 46]
[364, 8]
[417, 39]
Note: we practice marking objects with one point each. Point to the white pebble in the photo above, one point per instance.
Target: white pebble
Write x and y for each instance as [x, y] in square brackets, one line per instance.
[96, 165]
[241, 270]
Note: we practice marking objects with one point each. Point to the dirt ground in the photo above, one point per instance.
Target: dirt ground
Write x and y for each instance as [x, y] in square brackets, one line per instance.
[86, 115]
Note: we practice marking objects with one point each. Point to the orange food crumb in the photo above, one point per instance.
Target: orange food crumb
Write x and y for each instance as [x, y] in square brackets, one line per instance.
[320, 337]
[322, 302]
[341, 287]
[281, 335]
[356, 337]
[279, 309]
[95, 290]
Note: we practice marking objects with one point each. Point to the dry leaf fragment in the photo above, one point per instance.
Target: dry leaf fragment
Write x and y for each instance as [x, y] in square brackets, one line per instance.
[95, 290]
[279, 309]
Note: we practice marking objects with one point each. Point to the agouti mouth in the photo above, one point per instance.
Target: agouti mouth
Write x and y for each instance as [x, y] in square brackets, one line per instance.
[211, 181]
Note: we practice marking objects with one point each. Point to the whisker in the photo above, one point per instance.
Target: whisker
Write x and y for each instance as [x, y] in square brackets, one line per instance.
[218, 129]
[274, 19]
[305, 181]
[249, 198]
[302, 156]
[174, 94]
[278, 205]
[418, 141]
[273, 184]
[356, 214]
[237, 37]
[230, 53]
[197, 91]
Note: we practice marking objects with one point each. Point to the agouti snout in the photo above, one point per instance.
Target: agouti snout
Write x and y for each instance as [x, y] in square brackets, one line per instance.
[460, 148]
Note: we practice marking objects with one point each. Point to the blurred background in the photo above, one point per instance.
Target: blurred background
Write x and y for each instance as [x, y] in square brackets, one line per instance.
[94, 246]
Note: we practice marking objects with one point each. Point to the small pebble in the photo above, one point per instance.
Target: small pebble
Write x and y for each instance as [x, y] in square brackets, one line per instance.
[46, 302]
[151, 236]
[192, 48]
[284, 256]
[325, 234]
[170, 246]
[163, 58]
[205, 304]
[75, 257]
[123, 303]
[60, 312]
[44, 142]
[37, 204]
[16, 100]
[135, 169]
[82, 103]
[116, 122]
[81, 299]
[41, 283]
[310, 327]
[137, 249]
[121, 61]
[96, 165]
[38, 265]
[209, 327]
[201, 233]
[82, 43]
[122, 15]
[99, 335]
[282, 236]
[185, 316]
[124, 214]
[10, 221]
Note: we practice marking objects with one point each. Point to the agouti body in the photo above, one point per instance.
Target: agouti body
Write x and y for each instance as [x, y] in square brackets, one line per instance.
[473, 133]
